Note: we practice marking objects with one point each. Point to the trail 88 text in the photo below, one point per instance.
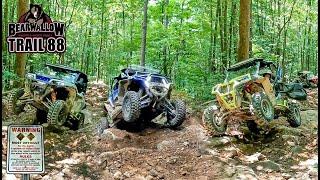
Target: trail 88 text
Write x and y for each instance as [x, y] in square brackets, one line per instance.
[36, 44]
[56, 44]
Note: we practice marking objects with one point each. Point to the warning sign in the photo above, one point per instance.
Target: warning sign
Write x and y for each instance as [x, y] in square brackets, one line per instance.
[25, 149]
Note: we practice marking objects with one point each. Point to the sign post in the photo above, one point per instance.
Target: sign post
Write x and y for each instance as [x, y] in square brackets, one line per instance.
[25, 150]
[25, 176]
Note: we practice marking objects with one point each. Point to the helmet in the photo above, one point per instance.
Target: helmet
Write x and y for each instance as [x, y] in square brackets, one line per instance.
[265, 71]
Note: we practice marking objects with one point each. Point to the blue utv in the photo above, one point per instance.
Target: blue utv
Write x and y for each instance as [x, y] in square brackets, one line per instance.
[139, 95]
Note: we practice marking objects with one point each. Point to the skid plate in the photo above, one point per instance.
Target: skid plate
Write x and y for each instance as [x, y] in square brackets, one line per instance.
[115, 112]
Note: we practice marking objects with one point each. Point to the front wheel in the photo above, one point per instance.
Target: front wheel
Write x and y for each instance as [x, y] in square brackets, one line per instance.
[293, 116]
[213, 121]
[13, 101]
[131, 106]
[176, 113]
[262, 106]
[57, 114]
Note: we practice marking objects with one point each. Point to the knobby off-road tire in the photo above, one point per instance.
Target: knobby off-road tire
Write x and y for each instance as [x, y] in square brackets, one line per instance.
[131, 106]
[180, 114]
[263, 107]
[293, 115]
[13, 97]
[57, 114]
[214, 125]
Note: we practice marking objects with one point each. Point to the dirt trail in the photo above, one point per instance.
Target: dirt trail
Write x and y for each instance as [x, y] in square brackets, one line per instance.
[186, 153]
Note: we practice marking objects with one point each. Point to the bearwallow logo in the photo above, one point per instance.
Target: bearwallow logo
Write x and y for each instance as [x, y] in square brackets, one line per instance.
[35, 32]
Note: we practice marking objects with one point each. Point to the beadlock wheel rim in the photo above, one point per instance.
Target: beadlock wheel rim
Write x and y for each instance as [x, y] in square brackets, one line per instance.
[266, 108]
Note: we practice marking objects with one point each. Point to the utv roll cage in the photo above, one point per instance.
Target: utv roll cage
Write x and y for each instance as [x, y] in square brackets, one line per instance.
[250, 62]
[142, 71]
[81, 79]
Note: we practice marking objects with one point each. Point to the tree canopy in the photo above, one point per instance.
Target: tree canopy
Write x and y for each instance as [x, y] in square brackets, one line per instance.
[191, 41]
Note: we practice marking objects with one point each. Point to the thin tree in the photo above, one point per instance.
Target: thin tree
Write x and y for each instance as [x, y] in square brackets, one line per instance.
[144, 33]
[244, 30]
[21, 58]
[101, 41]
[165, 48]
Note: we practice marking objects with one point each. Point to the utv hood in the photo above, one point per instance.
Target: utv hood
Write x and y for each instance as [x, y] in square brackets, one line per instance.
[40, 77]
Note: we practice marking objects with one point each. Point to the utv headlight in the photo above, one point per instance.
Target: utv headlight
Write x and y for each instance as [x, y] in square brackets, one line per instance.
[159, 90]
[148, 81]
[59, 83]
[30, 76]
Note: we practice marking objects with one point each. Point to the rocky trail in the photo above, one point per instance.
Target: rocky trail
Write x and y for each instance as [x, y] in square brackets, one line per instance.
[185, 153]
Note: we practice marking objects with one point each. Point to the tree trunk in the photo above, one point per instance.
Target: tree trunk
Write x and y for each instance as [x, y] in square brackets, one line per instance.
[283, 65]
[5, 24]
[225, 59]
[165, 48]
[210, 57]
[131, 34]
[251, 33]
[101, 44]
[278, 49]
[144, 33]
[244, 30]
[11, 59]
[308, 39]
[124, 33]
[214, 64]
[89, 53]
[84, 47]
[21, 58]
[233, 8]
[221, 30]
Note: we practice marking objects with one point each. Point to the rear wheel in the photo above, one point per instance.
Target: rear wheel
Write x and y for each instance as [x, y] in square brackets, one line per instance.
[14, 107]
[131, 106]
[262, 106]
[176, 114]
[57, 114]
[213, 121]
[293, 116]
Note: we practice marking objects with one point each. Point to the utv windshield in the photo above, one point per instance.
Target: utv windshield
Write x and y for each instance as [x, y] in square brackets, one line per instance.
[65, 76]
[310, 75]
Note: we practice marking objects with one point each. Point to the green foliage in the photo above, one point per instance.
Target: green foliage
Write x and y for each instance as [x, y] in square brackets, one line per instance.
[181, 49]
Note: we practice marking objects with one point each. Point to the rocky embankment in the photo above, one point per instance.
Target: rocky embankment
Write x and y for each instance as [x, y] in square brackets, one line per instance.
[186, 153]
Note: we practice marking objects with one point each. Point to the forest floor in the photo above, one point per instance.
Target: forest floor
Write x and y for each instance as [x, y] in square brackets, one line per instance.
[186, 153]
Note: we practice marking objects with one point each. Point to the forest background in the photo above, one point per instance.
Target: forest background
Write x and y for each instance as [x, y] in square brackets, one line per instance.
[190, 41]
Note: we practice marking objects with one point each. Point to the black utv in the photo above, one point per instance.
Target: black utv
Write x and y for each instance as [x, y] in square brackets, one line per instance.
[57, 92]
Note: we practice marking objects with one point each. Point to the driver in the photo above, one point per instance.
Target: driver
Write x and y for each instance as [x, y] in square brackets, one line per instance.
[268, 80]
[266, 73]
